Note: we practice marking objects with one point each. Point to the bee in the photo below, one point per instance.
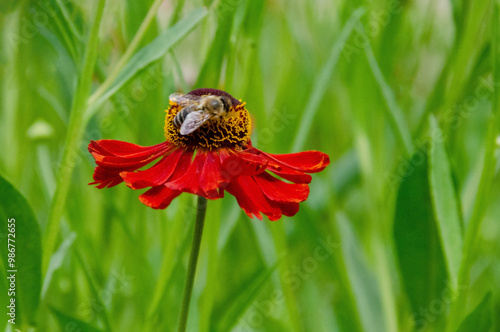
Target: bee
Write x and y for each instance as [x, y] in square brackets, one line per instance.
[196, 110]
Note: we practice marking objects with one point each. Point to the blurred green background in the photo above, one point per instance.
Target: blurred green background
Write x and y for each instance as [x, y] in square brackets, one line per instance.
[400, 233]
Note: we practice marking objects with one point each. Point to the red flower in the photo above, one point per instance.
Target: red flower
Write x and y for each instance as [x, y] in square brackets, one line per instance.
[216, 157]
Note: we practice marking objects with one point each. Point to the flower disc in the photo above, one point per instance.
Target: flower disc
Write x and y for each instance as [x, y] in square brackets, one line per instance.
[229, 131]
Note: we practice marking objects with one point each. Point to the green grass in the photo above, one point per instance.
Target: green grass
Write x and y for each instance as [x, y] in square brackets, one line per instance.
[400, 233]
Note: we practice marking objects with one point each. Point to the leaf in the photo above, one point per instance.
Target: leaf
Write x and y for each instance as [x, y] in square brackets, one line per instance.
[68, 323]
[27, 251]
[446, 210]
[154, 51]
[481, 319]
[419, 254]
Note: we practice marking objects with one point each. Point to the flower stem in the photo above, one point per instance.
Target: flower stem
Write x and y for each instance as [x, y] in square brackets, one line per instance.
[193, 260]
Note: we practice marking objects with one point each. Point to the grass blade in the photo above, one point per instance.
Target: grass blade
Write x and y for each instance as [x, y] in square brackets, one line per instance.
[143, 28]
[395, 114]
[74, 134]
[481, 319]
[366, 292]
[322, 83]
[242, 302]
[167, 266]
[211, 70]
[485, 183]
[96, 294]
[148, 54]
[68, 323]
[446, 210]
[56, 261]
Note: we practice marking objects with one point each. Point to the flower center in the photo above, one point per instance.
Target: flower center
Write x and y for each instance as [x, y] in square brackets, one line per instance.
[230, 130]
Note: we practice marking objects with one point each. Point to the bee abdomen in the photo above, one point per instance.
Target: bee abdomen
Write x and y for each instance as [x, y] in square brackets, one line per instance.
[179, 118]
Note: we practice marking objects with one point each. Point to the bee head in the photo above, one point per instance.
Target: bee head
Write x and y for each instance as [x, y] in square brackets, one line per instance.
[226, 103]
[214, 105]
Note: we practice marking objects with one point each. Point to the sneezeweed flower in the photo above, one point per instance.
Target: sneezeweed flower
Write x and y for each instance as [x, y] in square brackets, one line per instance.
[208, 151]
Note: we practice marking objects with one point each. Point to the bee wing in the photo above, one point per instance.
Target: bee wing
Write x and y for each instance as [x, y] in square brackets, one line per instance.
[193, 121]
[183, 100]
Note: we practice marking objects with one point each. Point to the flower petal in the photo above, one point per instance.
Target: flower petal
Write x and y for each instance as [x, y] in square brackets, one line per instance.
[307, 161]
[251, 199]
[242, 163]
[289, 209]
[156, 175]
[212, 178]
[159, 197]
[113, 157]
[279, 191]
[105, 178]
[256, 157]
[290, 174]
[186, 175]
[113, 154]
[123, 149]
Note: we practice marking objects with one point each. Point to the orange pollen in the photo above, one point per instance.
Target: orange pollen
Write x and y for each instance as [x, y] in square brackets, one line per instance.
[232, 130]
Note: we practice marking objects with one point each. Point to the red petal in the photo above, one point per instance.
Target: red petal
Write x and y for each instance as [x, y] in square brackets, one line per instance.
[114, 154]
[251, 199]
[188, 181]
[212, 177]
[256, 158]
[277, 190]
[159, 197]
[154, 176]
[289, 209]
[290, 174]
[124, 149]
[242, 163]
[136, 162]
[113, 157]
[307, 161]
[105, 178]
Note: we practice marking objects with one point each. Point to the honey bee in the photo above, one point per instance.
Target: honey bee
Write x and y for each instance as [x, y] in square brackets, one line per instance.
[196, 110]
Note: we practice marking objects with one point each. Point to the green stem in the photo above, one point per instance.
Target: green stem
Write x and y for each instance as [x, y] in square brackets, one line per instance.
[73, 136]
[193, 260]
